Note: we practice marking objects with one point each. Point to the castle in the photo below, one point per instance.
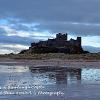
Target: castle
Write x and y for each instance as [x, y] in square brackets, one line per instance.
[60, 44]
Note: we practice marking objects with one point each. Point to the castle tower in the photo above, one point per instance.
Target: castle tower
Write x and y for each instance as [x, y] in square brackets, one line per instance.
[61, 36]
[79, 41]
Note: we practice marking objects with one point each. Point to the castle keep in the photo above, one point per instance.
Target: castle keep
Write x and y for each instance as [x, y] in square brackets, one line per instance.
[58, 45]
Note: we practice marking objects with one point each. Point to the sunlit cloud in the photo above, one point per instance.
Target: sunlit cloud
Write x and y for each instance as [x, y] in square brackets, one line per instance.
[91, 41]
[85, 24]
[21, 33]
[12, 32]
[17, 46]
[5, 51]
[11, 48]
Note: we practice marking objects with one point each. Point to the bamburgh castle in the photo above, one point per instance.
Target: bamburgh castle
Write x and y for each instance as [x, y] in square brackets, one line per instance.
[58, 45]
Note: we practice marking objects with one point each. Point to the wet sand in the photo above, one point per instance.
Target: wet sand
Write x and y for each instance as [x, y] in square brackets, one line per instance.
[52, 62]
[82, 86]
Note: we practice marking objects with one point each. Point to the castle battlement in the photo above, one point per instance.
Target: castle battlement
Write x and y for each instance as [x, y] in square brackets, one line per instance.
[61, 36]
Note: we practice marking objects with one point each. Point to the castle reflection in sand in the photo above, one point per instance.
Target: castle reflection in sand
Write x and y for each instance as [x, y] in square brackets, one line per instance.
[58, 74]
[73, 82]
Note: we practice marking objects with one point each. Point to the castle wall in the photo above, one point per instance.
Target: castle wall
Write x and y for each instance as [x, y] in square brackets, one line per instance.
[59, 44]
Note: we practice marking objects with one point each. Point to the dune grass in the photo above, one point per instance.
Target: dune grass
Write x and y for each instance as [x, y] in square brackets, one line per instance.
[90, 56]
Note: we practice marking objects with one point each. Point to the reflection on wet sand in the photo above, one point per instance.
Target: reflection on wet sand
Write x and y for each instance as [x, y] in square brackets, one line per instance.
[59, 75]
[75, 83]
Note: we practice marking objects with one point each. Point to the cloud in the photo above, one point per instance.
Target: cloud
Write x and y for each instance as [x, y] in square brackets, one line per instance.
[5, 51]
[54, 15]
[16, 46]
[93, 41]
[15, 40]
[92, 49]
[11, 48]
[11, 35]
[26, 21]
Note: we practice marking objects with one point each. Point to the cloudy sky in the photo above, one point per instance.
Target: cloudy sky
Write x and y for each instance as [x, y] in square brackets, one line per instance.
[26, 21]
